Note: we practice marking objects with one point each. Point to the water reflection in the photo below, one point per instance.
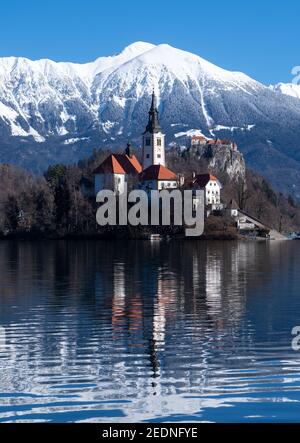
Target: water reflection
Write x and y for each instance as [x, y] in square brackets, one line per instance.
[113, 331]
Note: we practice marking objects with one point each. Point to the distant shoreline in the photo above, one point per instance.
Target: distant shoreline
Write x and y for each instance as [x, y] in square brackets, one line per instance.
[165, 239]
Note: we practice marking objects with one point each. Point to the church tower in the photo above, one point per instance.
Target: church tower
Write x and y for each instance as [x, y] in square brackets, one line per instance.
[153, 139]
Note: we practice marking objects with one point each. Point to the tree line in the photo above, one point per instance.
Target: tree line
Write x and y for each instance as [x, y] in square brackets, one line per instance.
[57, 204]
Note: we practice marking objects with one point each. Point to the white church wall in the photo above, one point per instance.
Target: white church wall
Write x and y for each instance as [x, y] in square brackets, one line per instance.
[153, 154]
[114, 182]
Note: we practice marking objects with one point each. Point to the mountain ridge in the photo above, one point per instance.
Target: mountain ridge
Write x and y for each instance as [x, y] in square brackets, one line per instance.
[59, 111]
[291, 89]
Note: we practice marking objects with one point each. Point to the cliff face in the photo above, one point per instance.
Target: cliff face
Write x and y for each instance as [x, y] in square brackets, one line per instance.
[220, 159]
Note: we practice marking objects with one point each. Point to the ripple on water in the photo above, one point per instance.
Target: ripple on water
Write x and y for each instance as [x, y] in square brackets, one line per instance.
[179, 331]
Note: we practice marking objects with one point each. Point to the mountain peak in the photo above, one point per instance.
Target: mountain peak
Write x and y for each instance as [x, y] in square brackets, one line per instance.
[53, 111]
[137, 48]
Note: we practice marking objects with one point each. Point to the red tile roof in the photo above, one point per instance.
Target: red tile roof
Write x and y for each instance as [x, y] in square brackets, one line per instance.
[215, 141]
[202, 179]
[130, 164]
[218, 141]
[119, 164]
[157, 172]
[226, 142]
[198, 137]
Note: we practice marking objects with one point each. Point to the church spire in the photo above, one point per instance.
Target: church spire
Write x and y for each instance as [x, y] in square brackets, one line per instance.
[128, 150]
[153, 102]
[153, 139]
[153, 123]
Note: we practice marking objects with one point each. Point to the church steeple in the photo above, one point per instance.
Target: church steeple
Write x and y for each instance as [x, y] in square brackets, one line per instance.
[153, 139]
[128, 150]
[153, 123]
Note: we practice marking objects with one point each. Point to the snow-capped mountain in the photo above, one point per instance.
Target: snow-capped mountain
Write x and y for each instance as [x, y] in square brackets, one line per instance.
[51, 112]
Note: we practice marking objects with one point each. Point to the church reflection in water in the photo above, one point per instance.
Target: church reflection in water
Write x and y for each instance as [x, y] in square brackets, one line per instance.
[138, 319]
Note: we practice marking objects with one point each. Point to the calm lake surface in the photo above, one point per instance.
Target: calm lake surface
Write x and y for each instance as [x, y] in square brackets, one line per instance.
[134, 331]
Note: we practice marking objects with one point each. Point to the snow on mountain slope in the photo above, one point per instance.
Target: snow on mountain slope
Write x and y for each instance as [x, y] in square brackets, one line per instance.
[42, 89]
[290, 89]
[53, 112]
[60, 98]
[160, 68]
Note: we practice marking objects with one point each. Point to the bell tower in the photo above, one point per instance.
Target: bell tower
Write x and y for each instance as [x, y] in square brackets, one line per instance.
[153, 139]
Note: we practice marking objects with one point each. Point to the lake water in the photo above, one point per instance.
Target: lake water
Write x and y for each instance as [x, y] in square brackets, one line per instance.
[139, 331]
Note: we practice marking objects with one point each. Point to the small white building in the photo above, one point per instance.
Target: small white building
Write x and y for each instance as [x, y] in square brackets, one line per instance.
[246, 223]
[211, 186]
[158, 177]
[115, 171]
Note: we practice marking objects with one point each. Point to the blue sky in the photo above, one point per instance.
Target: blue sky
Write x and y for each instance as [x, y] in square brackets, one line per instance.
[260, 38]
